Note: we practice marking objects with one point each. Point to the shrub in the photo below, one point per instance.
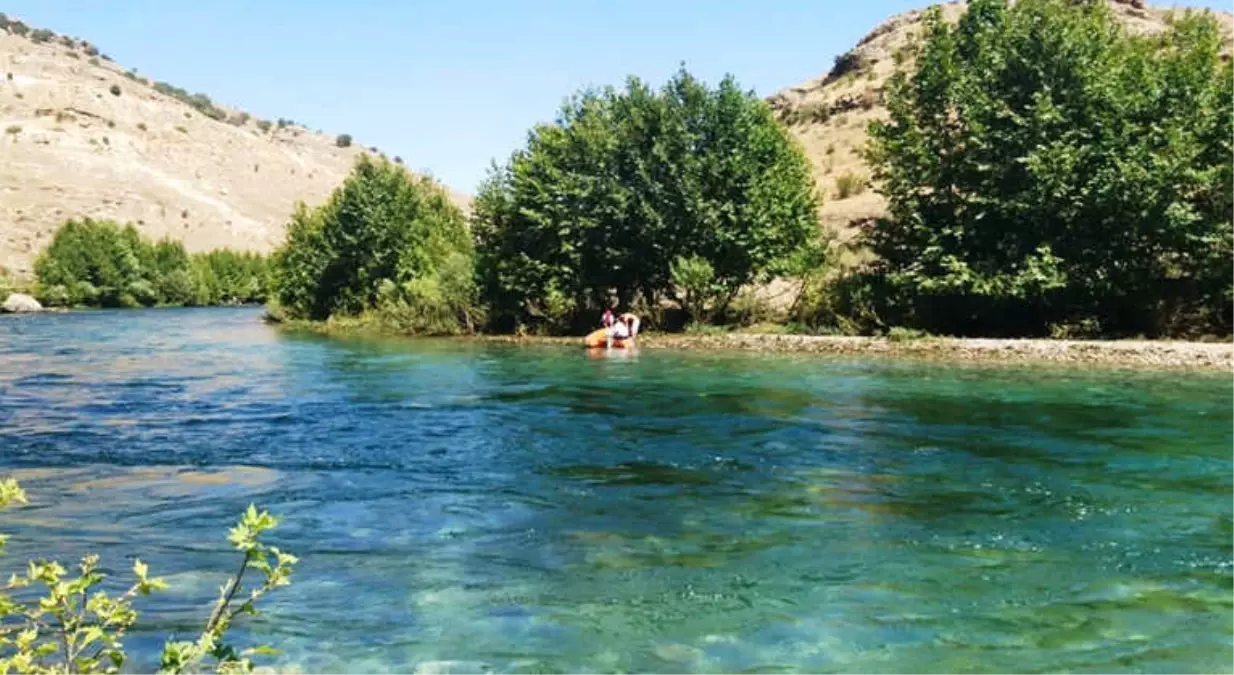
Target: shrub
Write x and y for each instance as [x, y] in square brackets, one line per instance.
[696, 279]
[18, 28]
[384, 241]
[142, 126]
[13, 129]
[73, 55]
[41, 35]
[263, 125]
[181, 129]
[67, 41]
[902, 334]
[343, 141]
[75, 629]
[115, 90]
[94, 61]
[850, 185]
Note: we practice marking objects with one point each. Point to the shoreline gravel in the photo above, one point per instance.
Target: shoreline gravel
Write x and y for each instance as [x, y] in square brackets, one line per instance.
[1137, 353]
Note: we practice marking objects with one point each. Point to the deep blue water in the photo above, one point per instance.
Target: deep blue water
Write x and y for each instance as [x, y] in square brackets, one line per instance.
[466, 506]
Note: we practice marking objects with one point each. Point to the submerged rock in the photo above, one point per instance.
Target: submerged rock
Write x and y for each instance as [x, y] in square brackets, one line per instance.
[20, 302]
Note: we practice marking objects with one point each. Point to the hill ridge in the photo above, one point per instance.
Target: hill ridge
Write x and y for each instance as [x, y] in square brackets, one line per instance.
[83, 137]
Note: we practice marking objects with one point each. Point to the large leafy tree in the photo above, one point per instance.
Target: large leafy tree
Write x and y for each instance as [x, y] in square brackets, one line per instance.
[384, 238]
[1045, 169]
[627, 182]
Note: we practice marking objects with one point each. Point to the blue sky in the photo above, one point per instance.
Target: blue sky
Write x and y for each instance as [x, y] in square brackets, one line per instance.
[451, 86]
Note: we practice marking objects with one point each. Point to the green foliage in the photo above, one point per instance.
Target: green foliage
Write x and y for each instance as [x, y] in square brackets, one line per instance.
[343, 140]
[386, 242]
[115, 90]
[603, 202]
[41, 35]
[100, 263]
[696, 279]
[75, 629]
[1044, 169]
[263, 125]
[18, 28]
[13, 129]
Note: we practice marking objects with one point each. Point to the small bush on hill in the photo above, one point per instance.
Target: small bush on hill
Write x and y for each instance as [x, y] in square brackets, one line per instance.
[115, 90]
[850, 185]
[343, 140]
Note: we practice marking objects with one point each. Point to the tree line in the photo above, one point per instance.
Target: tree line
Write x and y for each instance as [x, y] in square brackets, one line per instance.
[95, 263]
[1046, 174]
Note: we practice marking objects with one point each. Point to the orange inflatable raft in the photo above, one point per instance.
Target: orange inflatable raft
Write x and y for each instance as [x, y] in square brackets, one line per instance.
[597, 339]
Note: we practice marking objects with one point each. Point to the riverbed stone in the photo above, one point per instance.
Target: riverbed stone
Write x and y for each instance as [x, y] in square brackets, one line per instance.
[20, 302]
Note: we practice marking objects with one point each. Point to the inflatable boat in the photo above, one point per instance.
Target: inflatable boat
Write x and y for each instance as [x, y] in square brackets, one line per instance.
[596, 339]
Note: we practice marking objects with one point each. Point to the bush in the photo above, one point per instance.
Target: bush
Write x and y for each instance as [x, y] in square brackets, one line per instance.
[94, 61]
[75, 629]
[115, 90]
[343, 141]
[13, 129]
[41, 35]
[850, 185]
[627, 183]
[696, 279]
[263, 125]
[385, 241]
[141, 126]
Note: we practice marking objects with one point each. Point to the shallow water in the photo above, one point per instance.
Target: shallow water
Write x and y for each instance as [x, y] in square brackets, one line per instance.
[461, 506]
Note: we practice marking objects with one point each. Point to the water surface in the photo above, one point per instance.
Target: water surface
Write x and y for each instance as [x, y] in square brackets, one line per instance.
[461, 506]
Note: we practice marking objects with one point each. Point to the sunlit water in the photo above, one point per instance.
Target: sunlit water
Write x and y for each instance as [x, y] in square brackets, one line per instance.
[462, 506]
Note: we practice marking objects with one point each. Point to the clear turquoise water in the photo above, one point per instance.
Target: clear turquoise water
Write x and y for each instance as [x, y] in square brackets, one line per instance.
[468, 507]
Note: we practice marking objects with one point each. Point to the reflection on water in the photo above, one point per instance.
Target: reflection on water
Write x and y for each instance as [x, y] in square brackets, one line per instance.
[468, 507]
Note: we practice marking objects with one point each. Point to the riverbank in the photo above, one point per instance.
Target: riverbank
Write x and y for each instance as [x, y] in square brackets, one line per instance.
[1138, 353]
[1170, 354]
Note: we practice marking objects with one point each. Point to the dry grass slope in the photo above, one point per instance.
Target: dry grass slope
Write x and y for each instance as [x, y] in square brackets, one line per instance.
[830, 113]
[81, 137]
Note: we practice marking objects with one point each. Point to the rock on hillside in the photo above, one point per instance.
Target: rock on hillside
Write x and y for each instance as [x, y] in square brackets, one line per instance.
[829, 114]
[81, 137]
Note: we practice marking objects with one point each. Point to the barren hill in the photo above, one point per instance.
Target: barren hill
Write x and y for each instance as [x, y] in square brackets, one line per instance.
[80, 136]
[829, 113]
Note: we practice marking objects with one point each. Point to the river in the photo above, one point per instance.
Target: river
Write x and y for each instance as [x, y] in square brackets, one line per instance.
[468, 506]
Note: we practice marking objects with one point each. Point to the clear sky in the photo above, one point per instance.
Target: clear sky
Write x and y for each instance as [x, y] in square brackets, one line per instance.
[450, 86]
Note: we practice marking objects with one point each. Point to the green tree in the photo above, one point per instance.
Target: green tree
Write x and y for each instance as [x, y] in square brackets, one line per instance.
[100, 263]
[1045, 170]
[385, 241]
[603, 201]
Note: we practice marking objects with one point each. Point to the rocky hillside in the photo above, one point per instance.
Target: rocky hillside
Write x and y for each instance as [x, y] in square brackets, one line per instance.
[81, 136]
[829, 114]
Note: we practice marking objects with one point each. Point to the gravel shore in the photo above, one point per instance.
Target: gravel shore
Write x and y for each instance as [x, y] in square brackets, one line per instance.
[1137, 353]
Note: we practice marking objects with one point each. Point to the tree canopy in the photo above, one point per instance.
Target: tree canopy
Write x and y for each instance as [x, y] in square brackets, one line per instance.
[625, 184]
[385, 240]
[1047, 171]
[103, 264]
